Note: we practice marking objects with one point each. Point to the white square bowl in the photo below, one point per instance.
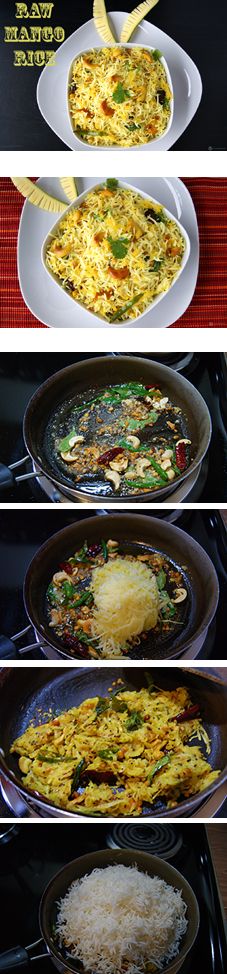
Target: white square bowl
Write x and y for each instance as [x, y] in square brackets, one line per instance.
[78, 305]
[105, 148]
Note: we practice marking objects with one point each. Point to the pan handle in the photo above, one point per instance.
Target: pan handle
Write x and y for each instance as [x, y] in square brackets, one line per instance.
[8, 649]
[21, 957]
[17, 957]
[7, 475]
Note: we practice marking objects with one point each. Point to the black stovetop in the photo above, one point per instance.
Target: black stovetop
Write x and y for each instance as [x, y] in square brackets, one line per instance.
[21, 374]
[22, 533]
[33, 855]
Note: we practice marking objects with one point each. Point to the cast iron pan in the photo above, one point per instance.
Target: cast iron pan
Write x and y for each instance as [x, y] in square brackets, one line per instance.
[26, 694]
[99, 373]
[59, 885]
[201, 578]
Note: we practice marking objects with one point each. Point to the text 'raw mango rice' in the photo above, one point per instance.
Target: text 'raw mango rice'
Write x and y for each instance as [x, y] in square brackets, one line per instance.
[117, 252]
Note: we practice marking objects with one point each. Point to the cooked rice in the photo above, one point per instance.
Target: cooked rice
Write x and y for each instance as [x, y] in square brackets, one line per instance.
[119, 96]
[84, 258]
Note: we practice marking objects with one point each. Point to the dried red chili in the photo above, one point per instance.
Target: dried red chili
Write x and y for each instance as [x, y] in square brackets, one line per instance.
[189, 714]
[66, 566]
[106, 458]
[94, 550]
[182, 455]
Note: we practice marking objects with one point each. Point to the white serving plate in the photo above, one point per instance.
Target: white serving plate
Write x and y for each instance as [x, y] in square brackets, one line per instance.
[104, 148]
[47, 301]
[99, 320]
[53, 82]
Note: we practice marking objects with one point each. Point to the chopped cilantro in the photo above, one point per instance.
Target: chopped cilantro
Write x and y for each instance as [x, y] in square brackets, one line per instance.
[119, 247]
[120, 94]
[112, 183]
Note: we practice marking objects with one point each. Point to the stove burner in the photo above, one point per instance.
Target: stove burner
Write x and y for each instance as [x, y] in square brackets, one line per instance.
[159, 840]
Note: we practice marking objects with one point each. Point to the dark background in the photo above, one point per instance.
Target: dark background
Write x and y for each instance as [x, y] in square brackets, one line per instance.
[199, 26]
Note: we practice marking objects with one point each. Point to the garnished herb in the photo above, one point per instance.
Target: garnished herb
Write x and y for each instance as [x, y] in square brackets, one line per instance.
[120, 94]
[114, 693]
[134, 721]
[157, 767]
[108, 753]
[76, 776]
[156, 54]
[161, 580]
[119, 247]
[111, 183]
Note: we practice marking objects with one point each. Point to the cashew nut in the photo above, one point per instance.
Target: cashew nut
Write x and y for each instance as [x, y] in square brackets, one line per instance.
[141, 465]
[68, 457]
[59, 577]
[166, 464]
[76, 439]
[162, 402]
[170, 474]
[167, 454]
[114, 477]
[119, 464]
[133, 440]
[181, 595]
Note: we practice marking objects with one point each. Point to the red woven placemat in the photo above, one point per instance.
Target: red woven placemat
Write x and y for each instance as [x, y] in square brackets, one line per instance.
[208, 307]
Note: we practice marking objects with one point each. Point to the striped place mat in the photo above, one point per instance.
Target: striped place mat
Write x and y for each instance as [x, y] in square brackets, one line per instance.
[208, 308]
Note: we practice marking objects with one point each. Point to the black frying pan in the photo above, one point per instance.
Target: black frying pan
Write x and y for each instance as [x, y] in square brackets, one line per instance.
[99, 373]
[25, 694]
[59, 885]
[200, 576]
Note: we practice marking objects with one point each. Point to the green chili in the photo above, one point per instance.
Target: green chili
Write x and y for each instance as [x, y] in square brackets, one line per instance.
[158, 469]
[144, 482]
[104, 549]
[76, 776]
[108, 753]
[157, 767]
[119, 314]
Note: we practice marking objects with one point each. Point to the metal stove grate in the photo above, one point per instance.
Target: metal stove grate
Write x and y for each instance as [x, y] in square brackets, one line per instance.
[159, 840]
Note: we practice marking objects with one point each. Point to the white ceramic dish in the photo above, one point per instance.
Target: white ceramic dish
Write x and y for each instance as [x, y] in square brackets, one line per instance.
[53, 82]
[77, 306]
[120, 148]
[47, 301]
